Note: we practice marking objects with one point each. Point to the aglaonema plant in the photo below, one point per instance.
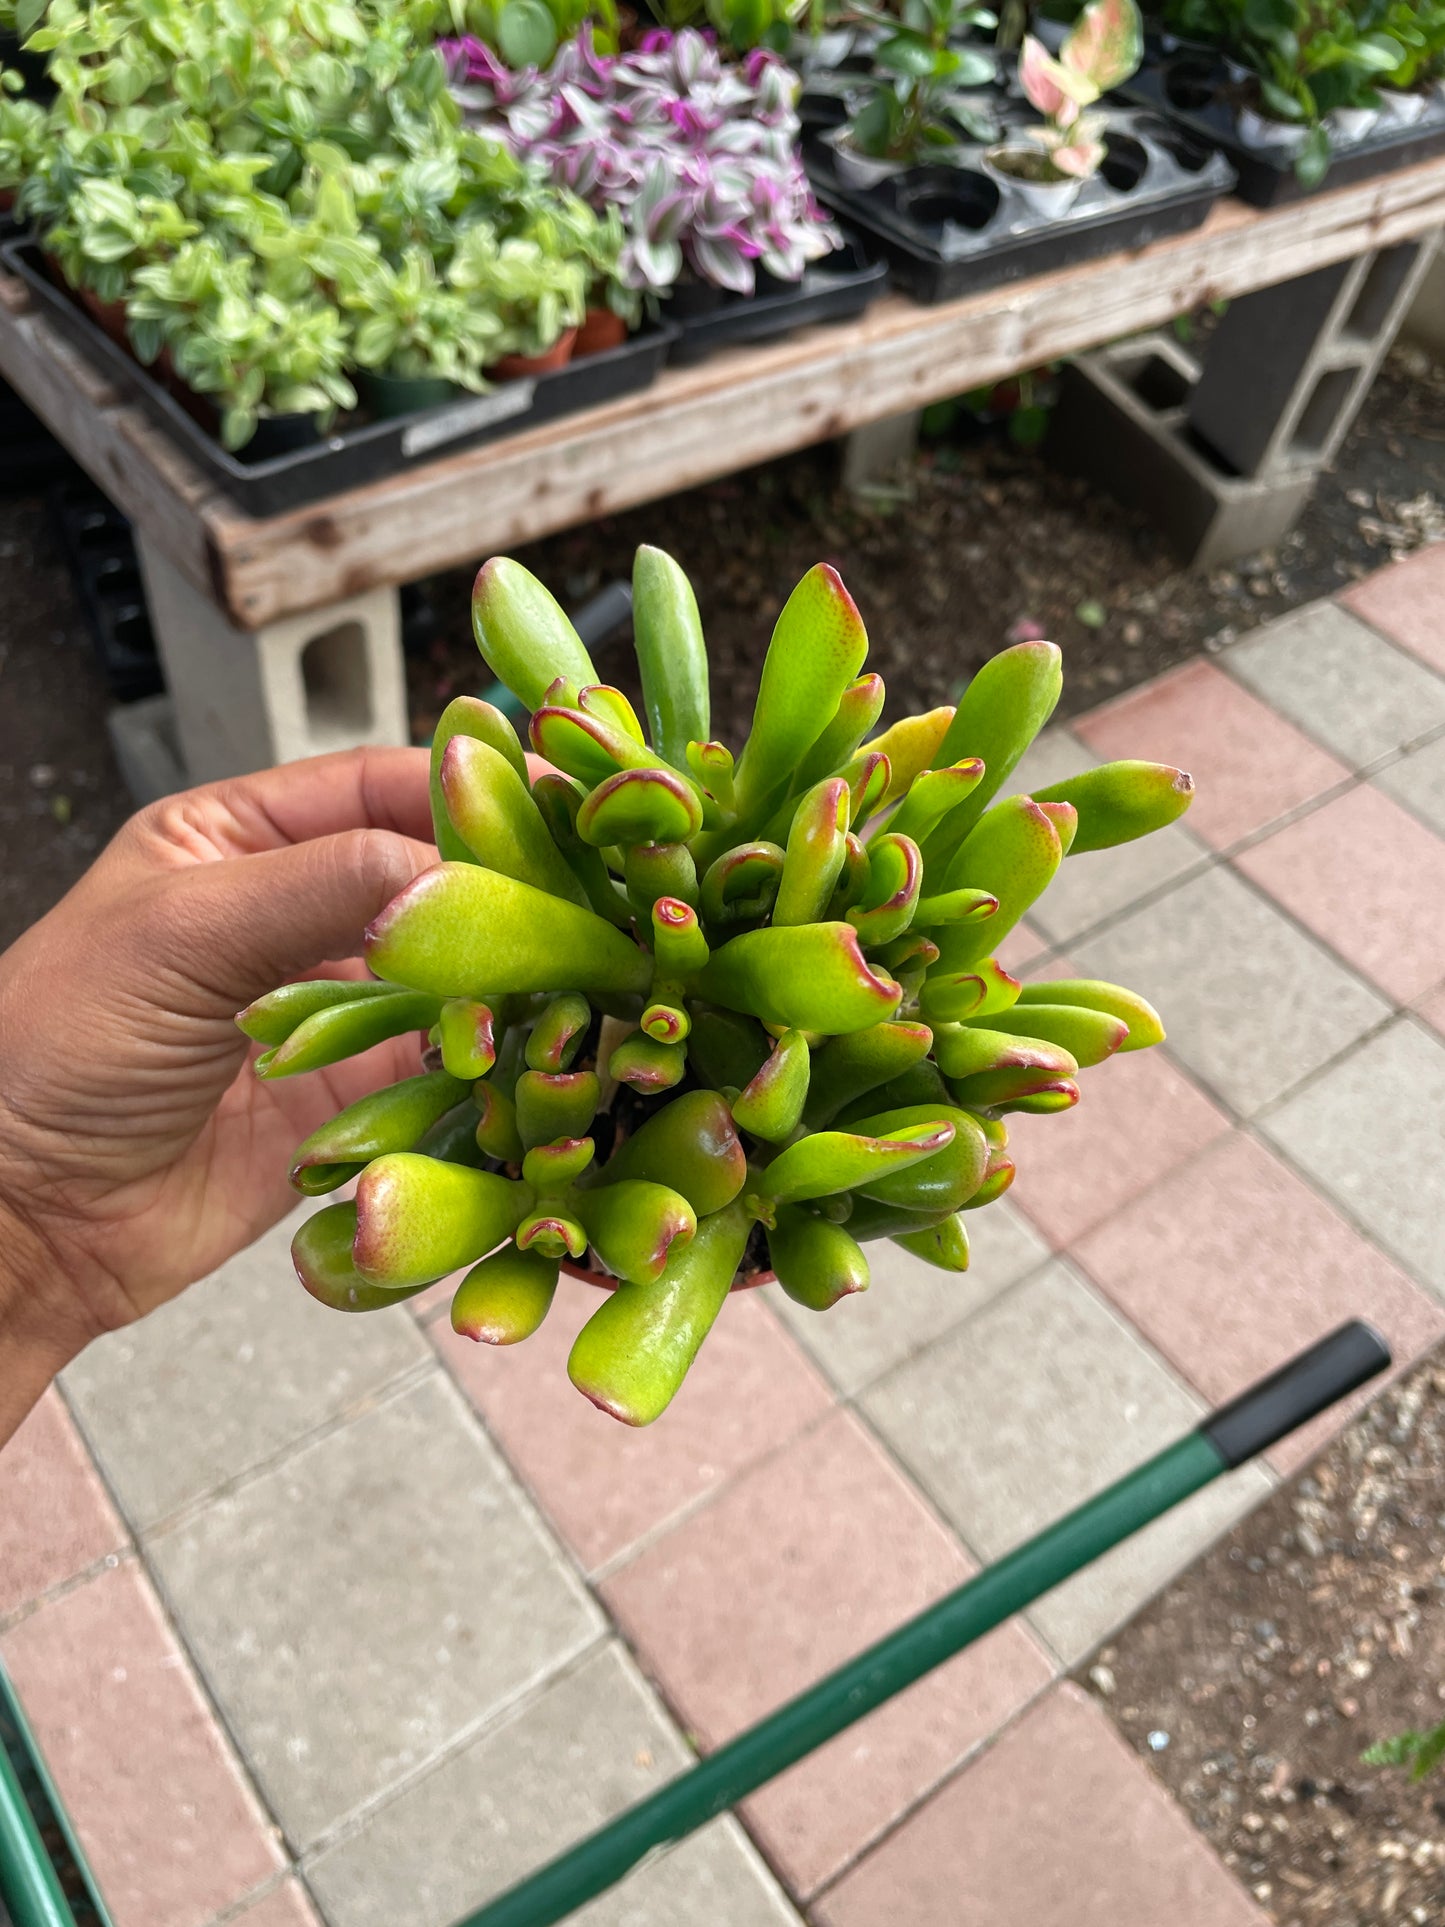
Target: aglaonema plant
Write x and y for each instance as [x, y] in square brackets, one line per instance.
[693, 1018]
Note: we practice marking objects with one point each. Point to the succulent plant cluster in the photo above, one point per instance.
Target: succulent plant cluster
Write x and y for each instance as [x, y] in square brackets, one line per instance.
[694, 1017]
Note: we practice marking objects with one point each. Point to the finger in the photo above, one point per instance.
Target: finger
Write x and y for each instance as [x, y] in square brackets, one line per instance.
[371, 788]
[224, 933]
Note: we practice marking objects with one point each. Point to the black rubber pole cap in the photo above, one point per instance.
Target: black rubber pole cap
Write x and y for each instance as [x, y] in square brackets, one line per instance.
[1297, 1392]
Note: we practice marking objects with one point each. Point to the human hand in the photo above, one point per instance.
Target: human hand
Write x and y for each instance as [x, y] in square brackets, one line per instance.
[137, 1149]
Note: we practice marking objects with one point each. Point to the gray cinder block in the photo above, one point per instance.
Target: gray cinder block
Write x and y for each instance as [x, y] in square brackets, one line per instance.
[1122, 420]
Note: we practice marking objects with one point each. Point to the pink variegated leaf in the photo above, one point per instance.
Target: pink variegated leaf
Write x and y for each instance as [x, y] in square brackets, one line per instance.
[1106, 45]
[1053, 89]
[1079, 158]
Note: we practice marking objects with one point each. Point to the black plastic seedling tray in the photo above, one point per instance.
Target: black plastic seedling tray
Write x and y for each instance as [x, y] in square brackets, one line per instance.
[1192, 87]
[833, 289]
[367, 452]
[950, 229]
[100, 549]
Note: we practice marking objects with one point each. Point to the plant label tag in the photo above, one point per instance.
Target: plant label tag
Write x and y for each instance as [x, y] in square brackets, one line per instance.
[478, 411]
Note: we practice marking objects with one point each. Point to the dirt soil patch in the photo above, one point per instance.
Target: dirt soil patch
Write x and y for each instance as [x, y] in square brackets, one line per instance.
[1253, 1685]
[989, 544]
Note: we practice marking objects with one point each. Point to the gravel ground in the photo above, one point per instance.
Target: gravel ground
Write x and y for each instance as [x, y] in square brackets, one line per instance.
[1254, 1684]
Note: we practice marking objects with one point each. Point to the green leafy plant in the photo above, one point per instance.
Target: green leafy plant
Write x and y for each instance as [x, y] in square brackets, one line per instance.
[740, 25]
[22, 124]
[1310, 59]
[1422, 1753]
[412, 325]
[917, 98]
[693, 1016]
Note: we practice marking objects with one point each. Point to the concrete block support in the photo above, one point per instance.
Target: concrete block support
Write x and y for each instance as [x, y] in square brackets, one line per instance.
[243, 700]
[1425, 323]
[1122, 420]
[1289, 366]
[873, 454]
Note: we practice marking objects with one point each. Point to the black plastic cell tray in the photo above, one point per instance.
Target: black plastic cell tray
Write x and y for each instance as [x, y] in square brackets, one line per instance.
[1267, 180]
[1157, 181]
[834, 289]
[354, 456]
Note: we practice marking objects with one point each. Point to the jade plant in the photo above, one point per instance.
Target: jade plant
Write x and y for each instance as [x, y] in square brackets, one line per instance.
[693, 1018]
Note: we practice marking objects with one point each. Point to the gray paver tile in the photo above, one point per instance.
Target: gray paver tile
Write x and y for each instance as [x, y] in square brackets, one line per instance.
[1418, 781]
[588, 1746]
[1371, 1132]
[227, 1375]
[1250, 1004]
[1333, 675]
[366, 1601]
[1041, 1400]
[910, 1302]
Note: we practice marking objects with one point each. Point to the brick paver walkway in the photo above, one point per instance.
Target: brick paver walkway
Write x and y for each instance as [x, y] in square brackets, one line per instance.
[349, 1618]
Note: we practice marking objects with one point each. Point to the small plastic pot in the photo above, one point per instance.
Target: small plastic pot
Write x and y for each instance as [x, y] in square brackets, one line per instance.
[1352, 123]
[1049, 198]
[855, 168]
[691, 298]
[388, 396]
[1259, 131]
[600, 330]
[514, 367]
[280, 435]
[1403, 108]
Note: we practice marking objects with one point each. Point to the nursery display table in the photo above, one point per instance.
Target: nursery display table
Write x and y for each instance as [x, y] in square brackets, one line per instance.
[280, 636]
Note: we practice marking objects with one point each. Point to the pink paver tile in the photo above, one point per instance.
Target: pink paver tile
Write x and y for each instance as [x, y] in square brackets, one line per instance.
[1233, 1264]
[798, 1566]
[1138, 1118]
[1249, 765]
[1407, 603]
[1022, 944]
[285, 1906]
[603, 1484]
[1369, 879]
[1058, 1825]
[55, 1518]
[1432, 1008]
[170, 1829]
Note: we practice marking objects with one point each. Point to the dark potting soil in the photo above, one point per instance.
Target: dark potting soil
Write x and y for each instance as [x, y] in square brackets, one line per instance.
[1253, 1685]
[990, 545]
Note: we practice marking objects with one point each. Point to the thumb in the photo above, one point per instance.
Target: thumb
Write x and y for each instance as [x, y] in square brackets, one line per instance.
[240, 927]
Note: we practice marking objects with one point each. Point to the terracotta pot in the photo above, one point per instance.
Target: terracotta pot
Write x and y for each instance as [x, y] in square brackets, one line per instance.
[600, 330]
[109, 316]
[745, 1280]
[513, 367]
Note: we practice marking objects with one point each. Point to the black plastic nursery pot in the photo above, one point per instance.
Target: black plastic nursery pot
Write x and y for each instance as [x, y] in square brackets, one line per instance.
[267, 479]
[834, 289]
[950, 228]
[100, 549]
[1194, 89]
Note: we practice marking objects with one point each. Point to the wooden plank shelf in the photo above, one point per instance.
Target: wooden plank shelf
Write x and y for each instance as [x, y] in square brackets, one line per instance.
[742, 406]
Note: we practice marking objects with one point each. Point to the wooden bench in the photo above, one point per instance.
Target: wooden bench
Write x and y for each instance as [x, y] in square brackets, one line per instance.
[281, 636]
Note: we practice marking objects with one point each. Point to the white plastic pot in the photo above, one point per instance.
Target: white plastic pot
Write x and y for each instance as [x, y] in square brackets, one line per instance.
[1255, 130]
[1352, 123]
[1403, 109]
[1049, 198]
[855, 168]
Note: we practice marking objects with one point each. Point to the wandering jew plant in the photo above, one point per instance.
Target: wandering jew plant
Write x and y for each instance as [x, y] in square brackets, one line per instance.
[699, 158]
[694, 1017]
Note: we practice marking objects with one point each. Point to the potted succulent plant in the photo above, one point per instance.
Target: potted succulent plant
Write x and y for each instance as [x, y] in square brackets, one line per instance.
[696, 1018]
[1048, 164]
[923, 92]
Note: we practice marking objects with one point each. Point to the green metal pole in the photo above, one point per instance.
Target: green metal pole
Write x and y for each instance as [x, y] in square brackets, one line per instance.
[29, 1884]
[1245, 1427]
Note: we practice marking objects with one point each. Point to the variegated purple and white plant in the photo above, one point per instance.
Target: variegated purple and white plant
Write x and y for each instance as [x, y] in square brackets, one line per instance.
[699, 157]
